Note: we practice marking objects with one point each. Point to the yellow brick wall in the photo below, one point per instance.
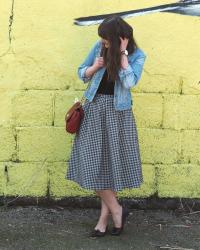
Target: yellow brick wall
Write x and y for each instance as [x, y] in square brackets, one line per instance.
[40, 51]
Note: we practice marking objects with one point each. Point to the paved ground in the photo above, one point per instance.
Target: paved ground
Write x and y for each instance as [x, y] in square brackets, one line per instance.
[61, 228]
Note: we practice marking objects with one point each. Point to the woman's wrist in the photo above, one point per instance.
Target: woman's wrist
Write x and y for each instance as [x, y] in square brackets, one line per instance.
[94, 68]
[90, 71]
[124, 61]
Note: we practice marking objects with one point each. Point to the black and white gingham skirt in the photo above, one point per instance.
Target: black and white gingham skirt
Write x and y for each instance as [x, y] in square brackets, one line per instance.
[105, 152]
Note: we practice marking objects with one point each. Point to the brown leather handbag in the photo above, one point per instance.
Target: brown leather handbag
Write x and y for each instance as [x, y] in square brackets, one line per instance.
[74, 116]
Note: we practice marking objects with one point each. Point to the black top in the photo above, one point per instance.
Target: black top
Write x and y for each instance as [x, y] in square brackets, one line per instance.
[106, 86]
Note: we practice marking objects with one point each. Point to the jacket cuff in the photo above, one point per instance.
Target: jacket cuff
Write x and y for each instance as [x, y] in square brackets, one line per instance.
[124, 72]
[82, 74]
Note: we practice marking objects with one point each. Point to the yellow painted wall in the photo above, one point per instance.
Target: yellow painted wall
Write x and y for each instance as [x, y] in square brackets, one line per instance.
[40, 50]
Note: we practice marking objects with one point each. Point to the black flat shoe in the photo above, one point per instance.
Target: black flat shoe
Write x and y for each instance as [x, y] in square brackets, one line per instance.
[98, 233]
[118, 230]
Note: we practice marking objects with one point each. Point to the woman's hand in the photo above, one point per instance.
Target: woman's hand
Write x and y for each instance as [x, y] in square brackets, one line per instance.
[124, 43]
[95, 67]
[99, 62]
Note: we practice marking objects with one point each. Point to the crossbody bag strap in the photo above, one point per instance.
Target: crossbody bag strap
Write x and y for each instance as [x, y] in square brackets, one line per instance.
[83, 97]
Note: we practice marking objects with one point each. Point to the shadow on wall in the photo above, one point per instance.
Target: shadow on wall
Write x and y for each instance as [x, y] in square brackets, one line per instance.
[183, 7]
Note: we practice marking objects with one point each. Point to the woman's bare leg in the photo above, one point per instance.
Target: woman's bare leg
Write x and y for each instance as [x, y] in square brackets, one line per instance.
[110, 199]
[103, 219]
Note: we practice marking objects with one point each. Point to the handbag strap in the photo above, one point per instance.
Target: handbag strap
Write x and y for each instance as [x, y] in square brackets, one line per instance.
[83, 97]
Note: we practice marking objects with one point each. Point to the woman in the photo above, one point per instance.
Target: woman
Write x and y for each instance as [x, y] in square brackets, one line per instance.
[105, 155]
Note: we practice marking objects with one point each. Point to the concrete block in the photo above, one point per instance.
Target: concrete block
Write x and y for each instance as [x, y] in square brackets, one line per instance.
[159, 145]
[33, 108]
[8, 144]
[181, 112]
[2, 178]
[147, 109]
[190, 146]
[27, 179]
[39, 143]
[178, 180]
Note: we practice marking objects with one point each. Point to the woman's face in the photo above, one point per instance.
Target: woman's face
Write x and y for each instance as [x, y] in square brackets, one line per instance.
[105, 42]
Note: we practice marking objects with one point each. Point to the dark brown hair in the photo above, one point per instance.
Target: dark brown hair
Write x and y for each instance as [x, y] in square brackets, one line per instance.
[111, 29]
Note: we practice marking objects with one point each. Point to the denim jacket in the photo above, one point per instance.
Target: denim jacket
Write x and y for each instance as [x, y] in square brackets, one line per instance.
[128, 77]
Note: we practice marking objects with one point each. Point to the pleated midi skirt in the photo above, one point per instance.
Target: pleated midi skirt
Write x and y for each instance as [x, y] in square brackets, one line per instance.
[105, 152]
